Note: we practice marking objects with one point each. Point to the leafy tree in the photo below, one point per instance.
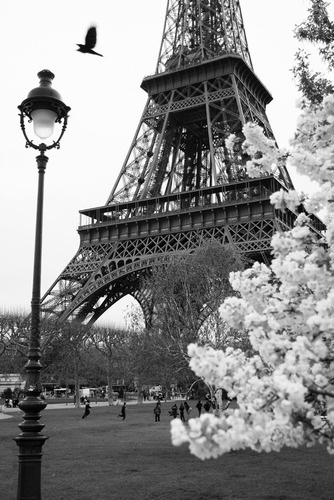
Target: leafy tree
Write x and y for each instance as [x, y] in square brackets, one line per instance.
[7, 393]
[319, 31]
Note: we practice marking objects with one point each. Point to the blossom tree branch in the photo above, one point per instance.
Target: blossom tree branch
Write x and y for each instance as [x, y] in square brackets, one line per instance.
[288, 311]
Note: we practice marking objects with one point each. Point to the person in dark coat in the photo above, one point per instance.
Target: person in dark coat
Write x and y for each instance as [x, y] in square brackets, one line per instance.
[157, 411]
[123, 414]
[182, 412]
[187, 407]
[174, 413]
[199, 407]
[87, 408]
[207, 405]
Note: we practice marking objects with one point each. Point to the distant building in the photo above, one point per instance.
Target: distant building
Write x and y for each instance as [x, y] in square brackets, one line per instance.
[12, 381]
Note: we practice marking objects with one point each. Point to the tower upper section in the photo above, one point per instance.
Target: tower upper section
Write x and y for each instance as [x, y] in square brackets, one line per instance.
[197, 30]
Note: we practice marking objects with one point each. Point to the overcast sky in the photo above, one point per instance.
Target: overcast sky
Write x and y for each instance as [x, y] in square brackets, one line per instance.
[107, 103]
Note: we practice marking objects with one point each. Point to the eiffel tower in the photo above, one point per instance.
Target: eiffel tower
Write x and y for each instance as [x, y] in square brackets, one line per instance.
[179, 185]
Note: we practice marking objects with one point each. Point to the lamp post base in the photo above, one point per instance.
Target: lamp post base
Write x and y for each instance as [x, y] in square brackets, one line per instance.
[30, 443]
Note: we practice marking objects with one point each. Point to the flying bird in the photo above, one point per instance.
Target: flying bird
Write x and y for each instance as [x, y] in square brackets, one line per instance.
[90, 42]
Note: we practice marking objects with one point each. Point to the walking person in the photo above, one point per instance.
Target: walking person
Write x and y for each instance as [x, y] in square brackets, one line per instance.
[123, 413]
[173, 412]
[181, 408]
[207, 406]
[187, 407]
[87, 408]
[199, 407]
[157, 411]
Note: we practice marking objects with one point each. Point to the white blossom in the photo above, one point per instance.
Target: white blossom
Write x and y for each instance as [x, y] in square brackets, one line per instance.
[265, 156]
[230, 142]
[285, 199]
[287, 309]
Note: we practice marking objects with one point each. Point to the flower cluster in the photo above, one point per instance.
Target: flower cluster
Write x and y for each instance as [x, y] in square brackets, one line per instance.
[230, 142]
[264, 154]
[288, 310]
[285, 199]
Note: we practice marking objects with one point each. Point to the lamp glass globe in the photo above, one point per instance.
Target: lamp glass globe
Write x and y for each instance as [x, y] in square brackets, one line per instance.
[43, 120]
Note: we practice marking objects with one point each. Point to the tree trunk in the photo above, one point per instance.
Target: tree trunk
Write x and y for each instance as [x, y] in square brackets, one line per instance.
[139, 391]
[66, 388]
[167, 390]
[219, 398]
[110, 399]
[77, 385]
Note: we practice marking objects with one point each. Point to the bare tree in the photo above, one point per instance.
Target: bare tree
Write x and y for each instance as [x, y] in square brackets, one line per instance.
[189, 289]
[218, 334]
[185, 292]
[65, 352]
[14, 340]
[111, 343]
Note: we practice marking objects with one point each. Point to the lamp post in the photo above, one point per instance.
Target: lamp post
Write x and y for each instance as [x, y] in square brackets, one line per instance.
[43, 107]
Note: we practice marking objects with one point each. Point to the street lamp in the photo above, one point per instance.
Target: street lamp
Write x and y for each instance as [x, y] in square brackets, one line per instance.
[44, 108]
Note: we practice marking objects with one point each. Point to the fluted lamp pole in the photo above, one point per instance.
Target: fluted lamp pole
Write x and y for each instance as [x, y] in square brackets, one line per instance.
[43, 108]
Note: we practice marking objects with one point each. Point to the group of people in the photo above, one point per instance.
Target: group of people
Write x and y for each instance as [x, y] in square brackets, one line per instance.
[11, 403]
[207, 405]
[183, 408]
[150, 395]
[174, 412]
[88, 407]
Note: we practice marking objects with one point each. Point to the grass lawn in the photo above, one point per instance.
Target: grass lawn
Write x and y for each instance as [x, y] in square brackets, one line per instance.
[105, 458]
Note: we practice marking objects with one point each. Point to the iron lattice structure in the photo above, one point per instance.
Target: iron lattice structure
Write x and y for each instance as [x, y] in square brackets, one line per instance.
[179, 185]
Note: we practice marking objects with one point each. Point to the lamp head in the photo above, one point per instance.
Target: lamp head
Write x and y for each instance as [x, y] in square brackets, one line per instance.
[44, 107]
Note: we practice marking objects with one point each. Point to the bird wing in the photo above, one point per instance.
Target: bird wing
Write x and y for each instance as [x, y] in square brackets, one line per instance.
[90, 41]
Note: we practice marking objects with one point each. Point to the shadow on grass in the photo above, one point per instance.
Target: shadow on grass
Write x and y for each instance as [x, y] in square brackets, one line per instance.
[105, 458]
